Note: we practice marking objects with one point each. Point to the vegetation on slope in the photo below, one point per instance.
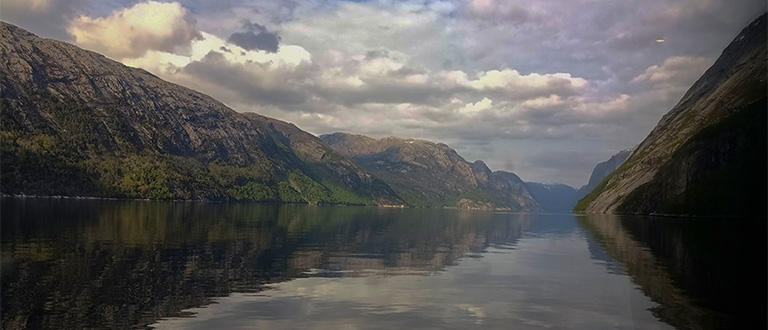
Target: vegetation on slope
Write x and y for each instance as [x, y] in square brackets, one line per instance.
[79, 124]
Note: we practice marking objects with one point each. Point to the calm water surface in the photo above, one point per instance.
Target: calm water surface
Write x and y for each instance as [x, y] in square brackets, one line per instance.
[69, 264]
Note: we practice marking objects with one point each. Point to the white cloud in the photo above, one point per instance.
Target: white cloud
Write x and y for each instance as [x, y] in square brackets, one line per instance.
[618, 104]
[473, 108]
[511, 80]
[676, 72]
[131, 32]
[543, 102]
[160, 63]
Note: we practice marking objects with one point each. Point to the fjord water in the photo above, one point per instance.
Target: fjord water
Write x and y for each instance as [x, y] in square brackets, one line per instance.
[116, 264]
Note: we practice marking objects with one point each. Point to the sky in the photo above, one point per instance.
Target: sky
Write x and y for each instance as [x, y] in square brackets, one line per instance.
[544, 88]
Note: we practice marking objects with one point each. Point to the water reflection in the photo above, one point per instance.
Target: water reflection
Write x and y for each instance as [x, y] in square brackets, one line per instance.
[122, 264]
[110, 264]
[703, 273]
[544, 279]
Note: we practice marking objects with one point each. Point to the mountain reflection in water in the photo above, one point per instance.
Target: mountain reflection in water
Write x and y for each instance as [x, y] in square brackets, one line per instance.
[703, 273]
[110, 264]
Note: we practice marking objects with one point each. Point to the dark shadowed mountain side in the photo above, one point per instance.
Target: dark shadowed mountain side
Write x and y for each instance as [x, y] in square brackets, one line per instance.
[556, 197]
[707, 156]
[431, 174]
[601, 171]
[76, 123]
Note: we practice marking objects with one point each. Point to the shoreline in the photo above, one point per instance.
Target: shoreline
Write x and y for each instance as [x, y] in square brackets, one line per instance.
[64, 197]
[16, 196]
[670, 215]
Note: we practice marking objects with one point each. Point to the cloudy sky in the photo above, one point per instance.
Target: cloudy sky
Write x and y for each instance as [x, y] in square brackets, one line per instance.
[544, 88]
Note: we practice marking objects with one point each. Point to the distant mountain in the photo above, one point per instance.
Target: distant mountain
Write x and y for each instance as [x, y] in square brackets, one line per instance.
[425, 173]
[327, 164]
[556, 197]
[602, 170]
[559, 197]
[706, 156]
[75, 123]
[502, 188]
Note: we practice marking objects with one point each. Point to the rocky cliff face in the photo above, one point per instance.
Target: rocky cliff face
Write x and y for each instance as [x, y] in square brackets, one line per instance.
[425, 173]
[76, 123]
[707, 155]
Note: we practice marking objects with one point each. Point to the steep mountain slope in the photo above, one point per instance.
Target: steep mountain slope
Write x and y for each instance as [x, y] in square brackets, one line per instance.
[76, 123]
[555, 197]
[707, 156]
[425, 173]
[602, 170]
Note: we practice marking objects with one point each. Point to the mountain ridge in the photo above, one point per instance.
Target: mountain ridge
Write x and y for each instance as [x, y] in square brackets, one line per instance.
[76, 123]
[427, 173]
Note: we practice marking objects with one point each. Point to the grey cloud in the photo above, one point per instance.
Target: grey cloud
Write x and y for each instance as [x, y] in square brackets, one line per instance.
[491, 12]
[636, 40]
[249, 87]
[608, 43]
[377, 53]
[563, 160]
[49, 22]
[257, 37]
[693, 26]
[556, 164]
[388, 93]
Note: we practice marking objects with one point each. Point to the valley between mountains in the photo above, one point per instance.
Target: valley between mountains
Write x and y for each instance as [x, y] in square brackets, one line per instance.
[75, 123]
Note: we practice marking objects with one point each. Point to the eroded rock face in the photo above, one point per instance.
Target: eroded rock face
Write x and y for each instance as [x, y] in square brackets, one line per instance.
[667, 168]
[130, 107]
[425, 173]
[57, 95]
